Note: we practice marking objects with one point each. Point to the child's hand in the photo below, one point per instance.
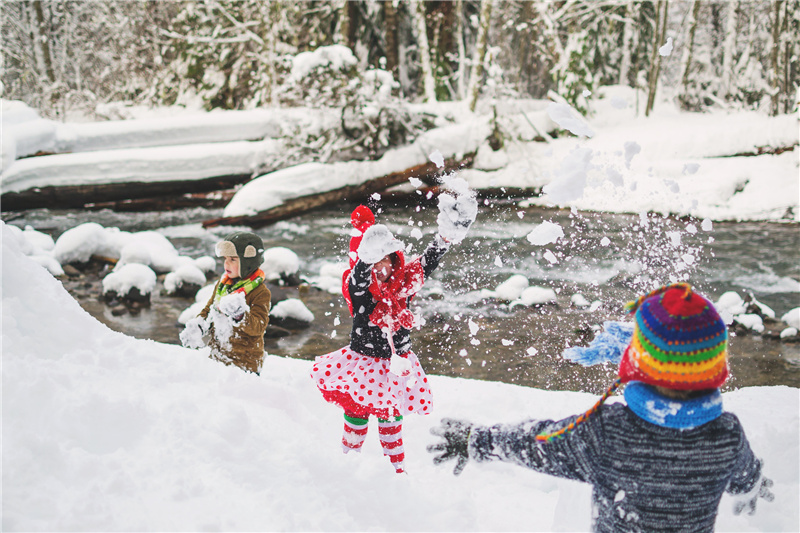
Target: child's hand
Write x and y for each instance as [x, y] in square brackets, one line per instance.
[456, 215]
[234, 305]
[456, 445]
[192, 334]
[749, 500]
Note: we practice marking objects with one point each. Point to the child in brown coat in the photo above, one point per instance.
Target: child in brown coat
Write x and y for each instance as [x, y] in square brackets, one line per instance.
[237, 314]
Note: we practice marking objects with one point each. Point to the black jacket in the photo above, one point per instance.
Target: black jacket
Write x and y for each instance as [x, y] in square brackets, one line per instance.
[367, 338]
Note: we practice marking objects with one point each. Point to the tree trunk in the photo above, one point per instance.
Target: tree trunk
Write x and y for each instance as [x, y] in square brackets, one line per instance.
[390, 34]
[462, 51]
[659, 32]
[353, 193]
[428, 81]
[43, 42]
[476, 76]
[774, 74]
[627, 38]
[688, 51]
[728, 50]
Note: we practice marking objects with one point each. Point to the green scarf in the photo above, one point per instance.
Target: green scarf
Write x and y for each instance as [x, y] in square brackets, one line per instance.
[227, 286]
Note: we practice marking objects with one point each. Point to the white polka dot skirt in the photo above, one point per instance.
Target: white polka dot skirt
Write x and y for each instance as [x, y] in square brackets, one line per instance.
[346, 376]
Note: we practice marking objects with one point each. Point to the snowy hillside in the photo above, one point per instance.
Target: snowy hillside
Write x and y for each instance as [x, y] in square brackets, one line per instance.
[104, 432]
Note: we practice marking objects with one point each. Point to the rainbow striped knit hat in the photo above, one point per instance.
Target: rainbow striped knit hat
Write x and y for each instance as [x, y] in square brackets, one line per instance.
[679, 341]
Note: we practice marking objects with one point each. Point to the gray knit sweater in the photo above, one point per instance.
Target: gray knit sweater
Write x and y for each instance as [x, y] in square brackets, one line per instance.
[645, 477]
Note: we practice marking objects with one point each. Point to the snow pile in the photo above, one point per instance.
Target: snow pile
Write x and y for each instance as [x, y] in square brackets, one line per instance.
[792, 317]
[185, 275]
[534, 296]
[330, 277]
[105, 432]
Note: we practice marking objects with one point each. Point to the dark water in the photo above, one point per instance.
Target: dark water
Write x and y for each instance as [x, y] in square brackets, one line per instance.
[512, 344]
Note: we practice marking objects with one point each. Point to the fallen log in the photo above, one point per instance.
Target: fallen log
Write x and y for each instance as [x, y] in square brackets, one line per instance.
[80, 196]
[427, 172]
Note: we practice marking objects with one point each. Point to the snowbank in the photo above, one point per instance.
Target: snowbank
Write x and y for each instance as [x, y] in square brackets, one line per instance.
[105, 432]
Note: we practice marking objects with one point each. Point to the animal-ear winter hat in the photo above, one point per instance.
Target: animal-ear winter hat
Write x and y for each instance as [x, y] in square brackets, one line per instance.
[679, 341]
[248, 247]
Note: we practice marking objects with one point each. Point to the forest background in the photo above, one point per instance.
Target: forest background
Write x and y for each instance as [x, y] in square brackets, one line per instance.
[73, 57]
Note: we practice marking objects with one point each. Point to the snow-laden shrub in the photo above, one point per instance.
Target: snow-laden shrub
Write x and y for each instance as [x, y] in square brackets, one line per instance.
[321, 77]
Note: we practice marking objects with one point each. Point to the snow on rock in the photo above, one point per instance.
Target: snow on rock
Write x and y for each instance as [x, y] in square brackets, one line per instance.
[39, 240]
[132, 276]
[105, 432]
[788, 332]
[135, 252]
[579, 300]
[512, 288]
[535, 296]
[78, 244]
[545, 233]
[292, 308]
[750, 321]
[206, 263]
[280, 261]
[792, 318]
[729, 305]
[330, 277]
[185, 275]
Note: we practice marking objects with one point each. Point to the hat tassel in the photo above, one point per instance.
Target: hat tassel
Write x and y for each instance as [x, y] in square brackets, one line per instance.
[547, 437]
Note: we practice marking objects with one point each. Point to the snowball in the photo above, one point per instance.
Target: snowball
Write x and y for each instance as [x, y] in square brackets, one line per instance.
[792, 318]
[545, 233]
[278, 261]
[605, 241]
[551, 257]
[437, 158]
[186, 274]
[511, 288]
[570, 179]
[569, 119]
[750, 321]
[631, 149]
[234, 305]
[292, 308]
[129, 276]
[666, 50]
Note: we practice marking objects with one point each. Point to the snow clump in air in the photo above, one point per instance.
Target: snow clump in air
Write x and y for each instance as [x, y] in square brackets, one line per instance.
[666, 50]
[570, 180]
[545, 233]
[377, 243]
[569, 119]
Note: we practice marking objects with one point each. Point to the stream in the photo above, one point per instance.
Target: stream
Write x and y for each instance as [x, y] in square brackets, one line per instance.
[608, 258]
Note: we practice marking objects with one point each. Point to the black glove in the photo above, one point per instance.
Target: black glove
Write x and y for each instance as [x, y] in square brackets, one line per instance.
[749, 502]
[456, 445]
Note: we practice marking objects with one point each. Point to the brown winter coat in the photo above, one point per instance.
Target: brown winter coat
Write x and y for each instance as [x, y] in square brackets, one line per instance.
[247, 341]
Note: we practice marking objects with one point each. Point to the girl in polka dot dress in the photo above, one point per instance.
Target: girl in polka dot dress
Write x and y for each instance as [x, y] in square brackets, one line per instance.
[378, 373]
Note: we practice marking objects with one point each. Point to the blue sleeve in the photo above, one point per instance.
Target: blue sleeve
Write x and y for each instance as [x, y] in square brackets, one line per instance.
[573, 456]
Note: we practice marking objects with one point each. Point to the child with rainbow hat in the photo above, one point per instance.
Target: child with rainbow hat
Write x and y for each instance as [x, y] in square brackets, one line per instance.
[659, 463]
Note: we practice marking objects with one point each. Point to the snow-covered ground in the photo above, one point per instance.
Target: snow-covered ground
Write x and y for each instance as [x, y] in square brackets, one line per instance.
[618, 161]
[104, 432]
